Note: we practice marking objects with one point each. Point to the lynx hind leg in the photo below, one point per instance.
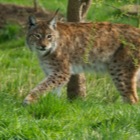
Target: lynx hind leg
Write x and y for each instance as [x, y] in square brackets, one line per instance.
[125, 80]
[138, 78]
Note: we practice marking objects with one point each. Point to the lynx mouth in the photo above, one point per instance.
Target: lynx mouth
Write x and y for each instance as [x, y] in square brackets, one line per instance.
[44, 51]
[47, 53]
[41, 49]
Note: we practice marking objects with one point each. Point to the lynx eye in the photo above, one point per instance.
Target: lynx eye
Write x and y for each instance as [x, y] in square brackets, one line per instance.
[38, 36]
[49, 36]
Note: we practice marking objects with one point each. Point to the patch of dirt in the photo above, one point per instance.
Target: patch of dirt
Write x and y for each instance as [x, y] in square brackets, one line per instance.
[19, 14]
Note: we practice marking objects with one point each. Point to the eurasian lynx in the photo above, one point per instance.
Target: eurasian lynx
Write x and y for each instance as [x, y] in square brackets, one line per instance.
[64, 49]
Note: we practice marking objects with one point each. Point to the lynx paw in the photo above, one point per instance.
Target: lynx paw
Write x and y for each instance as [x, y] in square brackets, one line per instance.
[25, 102]
[29, 100]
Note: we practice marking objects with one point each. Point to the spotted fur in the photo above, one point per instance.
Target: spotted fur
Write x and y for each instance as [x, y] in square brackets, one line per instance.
[64, 49]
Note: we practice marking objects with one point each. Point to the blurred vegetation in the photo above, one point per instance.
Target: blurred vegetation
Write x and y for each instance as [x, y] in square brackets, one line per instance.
[9, 32]
[101, 116]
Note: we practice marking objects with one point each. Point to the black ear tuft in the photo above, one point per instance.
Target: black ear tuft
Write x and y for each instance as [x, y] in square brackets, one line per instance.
[32, 20]
[56, 12]
[53, 21]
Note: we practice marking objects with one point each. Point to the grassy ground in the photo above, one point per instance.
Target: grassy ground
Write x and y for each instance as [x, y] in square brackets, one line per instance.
[101, 116]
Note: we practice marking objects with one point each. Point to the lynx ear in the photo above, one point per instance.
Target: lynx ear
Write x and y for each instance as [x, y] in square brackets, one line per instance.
[53, 21]
[31, 21]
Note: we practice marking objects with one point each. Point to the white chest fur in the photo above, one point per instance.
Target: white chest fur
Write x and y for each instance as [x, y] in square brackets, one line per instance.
[46, 68]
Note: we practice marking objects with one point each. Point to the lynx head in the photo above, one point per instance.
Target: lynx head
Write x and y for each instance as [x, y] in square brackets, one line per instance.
[42, 35]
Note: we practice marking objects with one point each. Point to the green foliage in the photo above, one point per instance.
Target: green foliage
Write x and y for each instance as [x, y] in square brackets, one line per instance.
[102, 10]
[10, 31]
[101, 116]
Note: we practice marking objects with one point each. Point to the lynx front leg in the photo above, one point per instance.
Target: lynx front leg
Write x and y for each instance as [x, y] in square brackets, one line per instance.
[51, 82]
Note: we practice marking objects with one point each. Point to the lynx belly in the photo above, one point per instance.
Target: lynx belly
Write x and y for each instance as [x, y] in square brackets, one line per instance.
[95, 67]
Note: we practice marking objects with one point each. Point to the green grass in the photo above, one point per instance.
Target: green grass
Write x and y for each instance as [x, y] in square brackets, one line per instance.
[100, 116]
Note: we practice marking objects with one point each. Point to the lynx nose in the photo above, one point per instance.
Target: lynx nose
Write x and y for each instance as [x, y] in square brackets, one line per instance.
[43, 47]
